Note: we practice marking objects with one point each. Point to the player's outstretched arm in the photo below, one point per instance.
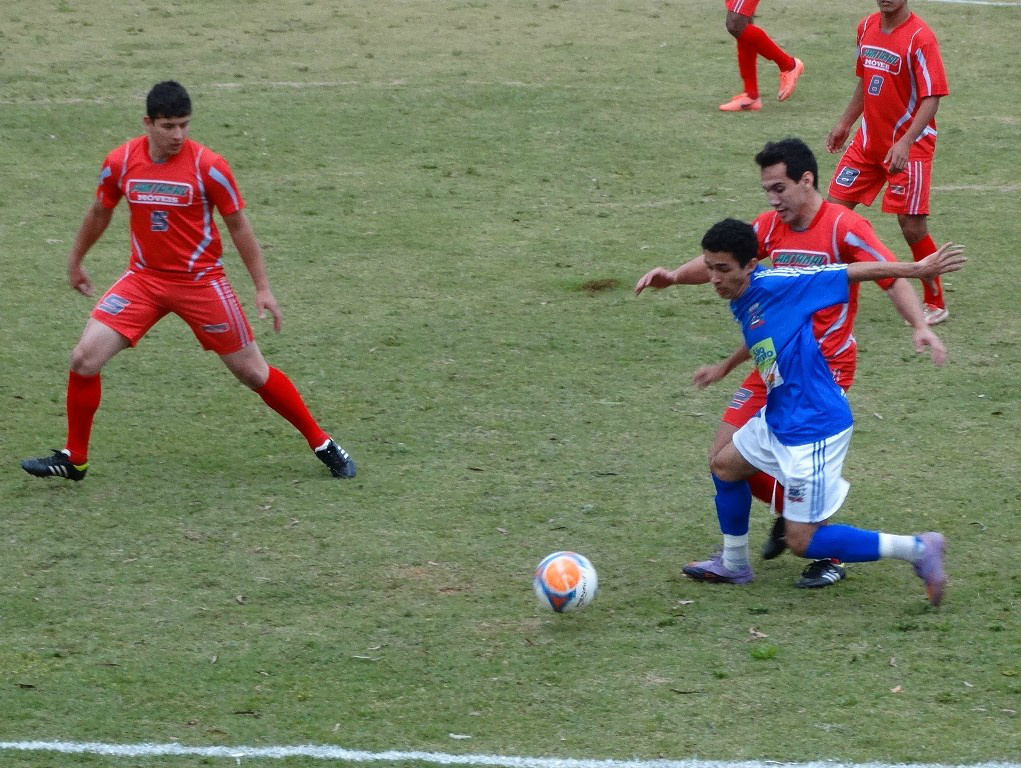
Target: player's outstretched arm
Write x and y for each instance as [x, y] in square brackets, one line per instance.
[949, 258]
[97, 219]
[243, 236]
[693, 272]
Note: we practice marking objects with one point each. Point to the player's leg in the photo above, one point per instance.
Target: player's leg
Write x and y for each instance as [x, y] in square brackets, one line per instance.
[733, 500]
[747, 401]
[215, 316]
[907, 195]
[791, 68]
[739, 17]
[819, 490]
[120, 318]
[752, 42]
[280, 394]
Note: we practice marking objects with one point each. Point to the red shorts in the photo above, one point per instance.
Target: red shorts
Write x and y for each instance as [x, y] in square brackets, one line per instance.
[744, 7]
[750, 398]
[858, 179]
[138, 300]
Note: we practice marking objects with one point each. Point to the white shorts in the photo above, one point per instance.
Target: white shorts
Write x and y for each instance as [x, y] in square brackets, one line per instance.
[812, 486]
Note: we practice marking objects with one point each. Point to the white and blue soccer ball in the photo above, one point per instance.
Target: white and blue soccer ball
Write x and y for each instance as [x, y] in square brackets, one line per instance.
[565, 582]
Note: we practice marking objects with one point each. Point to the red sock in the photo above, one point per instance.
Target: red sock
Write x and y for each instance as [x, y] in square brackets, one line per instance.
[763, 44]
[931, 294]
[280, 394]
[83, 395]
[768, 489]
[747, 67]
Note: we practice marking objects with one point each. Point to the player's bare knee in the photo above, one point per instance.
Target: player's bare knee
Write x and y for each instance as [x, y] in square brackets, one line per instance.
[724, 470]
[914, 228]
[735, 26]
[798, 536]
[253, 379]
[85, 362]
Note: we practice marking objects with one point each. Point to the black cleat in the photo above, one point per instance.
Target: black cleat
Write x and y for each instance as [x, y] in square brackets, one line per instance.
[821, 573]
[777, 542]
[57, 465]
[337, 459]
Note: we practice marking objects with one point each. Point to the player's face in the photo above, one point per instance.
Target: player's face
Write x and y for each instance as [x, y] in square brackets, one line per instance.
[166, 135]
[890, 7]
[727, 277]
[789, 198]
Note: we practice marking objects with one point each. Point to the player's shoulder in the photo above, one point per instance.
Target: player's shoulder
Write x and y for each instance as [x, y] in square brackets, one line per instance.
[843, 215]
[920, 31]
[128, 148]
[869, 23]
[204, 156]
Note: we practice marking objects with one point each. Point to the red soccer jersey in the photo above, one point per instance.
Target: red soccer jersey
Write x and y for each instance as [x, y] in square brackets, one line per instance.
[897, 69]
[171, 203]
[835, 236]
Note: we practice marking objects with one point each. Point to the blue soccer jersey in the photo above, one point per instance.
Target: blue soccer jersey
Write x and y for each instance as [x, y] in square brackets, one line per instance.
[803, 404]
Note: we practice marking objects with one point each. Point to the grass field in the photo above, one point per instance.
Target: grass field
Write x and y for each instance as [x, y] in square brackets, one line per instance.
[455, 199]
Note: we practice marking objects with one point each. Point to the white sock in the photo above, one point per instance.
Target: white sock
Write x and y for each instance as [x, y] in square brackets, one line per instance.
[900, 547]
[735, 552]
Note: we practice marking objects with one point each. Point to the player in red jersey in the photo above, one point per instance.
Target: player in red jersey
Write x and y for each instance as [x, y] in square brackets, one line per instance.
[752, 42]
[801, 230]
[900, 83]
[172, 185]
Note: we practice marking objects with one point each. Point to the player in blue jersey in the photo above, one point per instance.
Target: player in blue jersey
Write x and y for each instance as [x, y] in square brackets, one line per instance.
[802, 434]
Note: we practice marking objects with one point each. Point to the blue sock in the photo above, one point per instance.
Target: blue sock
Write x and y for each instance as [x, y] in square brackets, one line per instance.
[844, 542]
[733, 506]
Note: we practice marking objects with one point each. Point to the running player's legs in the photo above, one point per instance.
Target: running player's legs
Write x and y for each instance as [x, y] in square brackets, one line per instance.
[857, 179]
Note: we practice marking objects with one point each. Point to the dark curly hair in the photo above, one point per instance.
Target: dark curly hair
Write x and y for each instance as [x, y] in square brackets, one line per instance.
[795, 154]
[732, 236]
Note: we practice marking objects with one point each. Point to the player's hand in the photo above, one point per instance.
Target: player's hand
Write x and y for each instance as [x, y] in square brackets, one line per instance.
[897, 158]
[837, 138]
[80, 280]
[265, 302]
[656, 278]
[924, 337]
[948, 258]
[708, 374]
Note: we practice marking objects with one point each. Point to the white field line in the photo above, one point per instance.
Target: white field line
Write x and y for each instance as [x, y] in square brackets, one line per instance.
[323, 752]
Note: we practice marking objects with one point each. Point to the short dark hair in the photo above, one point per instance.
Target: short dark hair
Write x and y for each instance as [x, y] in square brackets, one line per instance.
[795, 154]
[732, 236]
[167, 99]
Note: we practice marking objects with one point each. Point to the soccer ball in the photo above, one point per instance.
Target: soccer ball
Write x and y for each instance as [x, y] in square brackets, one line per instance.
[565, 581]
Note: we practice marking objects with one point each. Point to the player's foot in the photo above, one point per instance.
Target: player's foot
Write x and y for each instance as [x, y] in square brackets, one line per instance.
[820, 573]
[57, 465]
[934, 315]
[789, 80]
[337, 460]
[929, 566]
[776, 542]
[742, 103]
[713, 570]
